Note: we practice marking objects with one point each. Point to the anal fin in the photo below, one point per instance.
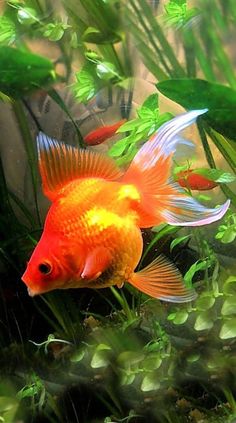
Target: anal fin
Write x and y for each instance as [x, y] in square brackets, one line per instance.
[97, 261]
[161, 279]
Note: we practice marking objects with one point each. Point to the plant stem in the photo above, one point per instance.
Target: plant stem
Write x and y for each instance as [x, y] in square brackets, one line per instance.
[122, 301]
[205, 144]
[224, 146]
[166, 230]
[225, 189]
[30, 149]
[157, 32]
[150, 37]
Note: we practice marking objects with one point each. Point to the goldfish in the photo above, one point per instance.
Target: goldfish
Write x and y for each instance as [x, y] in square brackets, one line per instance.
[102, 133]
[92, 237]
[191, 179]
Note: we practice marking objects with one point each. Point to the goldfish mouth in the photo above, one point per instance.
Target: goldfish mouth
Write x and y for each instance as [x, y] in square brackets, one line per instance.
[31, 292]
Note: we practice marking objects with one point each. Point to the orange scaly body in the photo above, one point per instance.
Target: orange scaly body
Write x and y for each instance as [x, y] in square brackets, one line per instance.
[92, 236]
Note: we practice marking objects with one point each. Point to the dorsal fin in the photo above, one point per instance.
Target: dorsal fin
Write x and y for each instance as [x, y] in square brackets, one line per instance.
[60, 164]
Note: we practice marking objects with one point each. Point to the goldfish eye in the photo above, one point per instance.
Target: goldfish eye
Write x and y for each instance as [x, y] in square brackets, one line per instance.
[45, 268]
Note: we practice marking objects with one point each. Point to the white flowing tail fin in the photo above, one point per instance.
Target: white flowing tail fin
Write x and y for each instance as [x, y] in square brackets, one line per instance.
[162, 200]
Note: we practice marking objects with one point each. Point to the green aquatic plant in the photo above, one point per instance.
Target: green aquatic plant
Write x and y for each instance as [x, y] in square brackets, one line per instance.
[178, 14]
[147, 122]
[227, 230]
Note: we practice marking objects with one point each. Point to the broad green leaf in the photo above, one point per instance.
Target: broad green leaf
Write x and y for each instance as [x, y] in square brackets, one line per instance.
[230, 286]
[180, 317]
[150, 382]
[199, 94]
[205, 302]
[204, 321]
[77, 356]
[106, 71]
[27, 15]
[126, 378]
[229, 306]
[229, 235]
[178, 241]
[100, 357]
[216, 175]
[228, 329]
[152, 362]
[21, 72]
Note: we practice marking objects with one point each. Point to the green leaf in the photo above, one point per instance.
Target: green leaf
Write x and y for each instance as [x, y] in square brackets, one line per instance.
[4, 97]
[228, 329]
[129, 126]
[229, 306]
[151, 102]
[204, 321]
[77, 356]
[7, 30]
[194, 269]
[230, 286]
[229, 235]
[85, 88]
[205, 302]
[193, 358]
[54, 32]
[152, 362]
[95, 36]
[150, 382]
[22, 72]
[129, 358]
[163, 118]
[199, 94]
[119, 147]
[106, 71]
[144, 126]
[216, 175]
[27, 16]
[180, 317]
[126, 377]
[178, 241]
[100, 357]
[146, 113]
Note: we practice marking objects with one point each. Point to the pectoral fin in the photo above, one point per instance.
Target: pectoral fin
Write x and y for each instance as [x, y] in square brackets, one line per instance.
[161, 279]
[97, 261]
